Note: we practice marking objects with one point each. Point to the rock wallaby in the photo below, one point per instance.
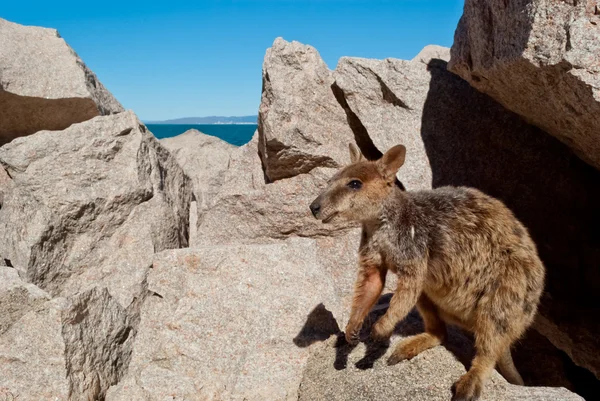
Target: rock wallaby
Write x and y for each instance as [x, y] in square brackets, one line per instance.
[461, 257]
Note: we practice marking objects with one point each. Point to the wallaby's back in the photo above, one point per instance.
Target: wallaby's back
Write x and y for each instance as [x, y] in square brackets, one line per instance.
[476, 250]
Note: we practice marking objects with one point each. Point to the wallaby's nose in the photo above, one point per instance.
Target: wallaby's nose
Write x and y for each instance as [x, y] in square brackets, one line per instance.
[315, 208]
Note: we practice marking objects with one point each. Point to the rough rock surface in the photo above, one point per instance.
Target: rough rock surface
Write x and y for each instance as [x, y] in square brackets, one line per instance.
[81, 346]
[539, 59]
[17, 298]
[333, 375]
[228, 322]
[386, 99]
[44, 85]
[204, 158]
[299, 114]
[98, 334]
[32, 356]
[90, 206]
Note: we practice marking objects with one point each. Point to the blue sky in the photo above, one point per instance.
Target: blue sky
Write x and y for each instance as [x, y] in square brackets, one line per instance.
[173, 59]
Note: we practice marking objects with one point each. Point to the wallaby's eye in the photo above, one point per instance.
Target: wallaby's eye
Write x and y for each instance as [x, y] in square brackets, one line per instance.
[355, 184]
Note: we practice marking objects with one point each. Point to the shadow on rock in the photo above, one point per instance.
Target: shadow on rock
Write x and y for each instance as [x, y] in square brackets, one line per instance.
[374, 349]
[320, 325]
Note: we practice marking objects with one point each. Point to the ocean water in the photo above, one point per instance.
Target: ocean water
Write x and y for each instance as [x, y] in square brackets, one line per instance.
[236, 134]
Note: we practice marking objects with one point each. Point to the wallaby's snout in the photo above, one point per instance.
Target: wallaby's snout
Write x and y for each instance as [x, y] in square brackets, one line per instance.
[323, 209]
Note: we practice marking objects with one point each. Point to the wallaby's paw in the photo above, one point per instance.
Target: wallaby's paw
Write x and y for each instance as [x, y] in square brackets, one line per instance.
[407, 349]
[467, 388]
[395, 358]
[413, 346]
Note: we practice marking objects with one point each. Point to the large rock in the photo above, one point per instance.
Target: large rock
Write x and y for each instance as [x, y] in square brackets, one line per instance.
[539, 59]
[386, 98]
[230, 322]
[300, 123]
[248, 210]
[90, 205]
[82, 212]
[17, 298]
[44, 85]
[336, 374]
[204, 158]
[67, 349]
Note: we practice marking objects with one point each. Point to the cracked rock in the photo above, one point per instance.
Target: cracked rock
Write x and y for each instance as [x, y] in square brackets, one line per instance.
[300, 122]
[90, 205]
[44, 85]
[539, 59]
[223, 320]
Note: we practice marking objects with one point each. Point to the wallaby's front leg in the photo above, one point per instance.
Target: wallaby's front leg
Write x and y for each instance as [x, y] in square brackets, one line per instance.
[368, 288]
[404, 299]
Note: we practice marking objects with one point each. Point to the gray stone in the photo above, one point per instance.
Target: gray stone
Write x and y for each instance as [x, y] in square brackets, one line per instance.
[331, 374]
[386, 99]
[204, 158]
[44, 85]
[300, 123]
[32, 356]
[67, 349]
[539, 59]
[230, 322]
[98, 334]
[90, 206]
[17, 298]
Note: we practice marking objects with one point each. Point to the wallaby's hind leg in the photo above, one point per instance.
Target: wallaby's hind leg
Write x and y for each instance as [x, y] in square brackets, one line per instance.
[507, 368]
[492, 339]
[435, 333]
[470, 385]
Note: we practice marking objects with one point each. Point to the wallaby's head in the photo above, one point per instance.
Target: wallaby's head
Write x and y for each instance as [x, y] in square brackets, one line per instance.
[356, 192]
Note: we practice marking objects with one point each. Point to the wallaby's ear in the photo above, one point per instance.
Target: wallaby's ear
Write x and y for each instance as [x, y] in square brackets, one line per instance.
[355, 155]
[391, 161]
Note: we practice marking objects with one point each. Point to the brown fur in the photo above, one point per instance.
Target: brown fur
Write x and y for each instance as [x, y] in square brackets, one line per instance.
[461, 257]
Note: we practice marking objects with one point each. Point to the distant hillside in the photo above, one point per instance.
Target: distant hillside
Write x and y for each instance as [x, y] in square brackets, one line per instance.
[209, 120]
